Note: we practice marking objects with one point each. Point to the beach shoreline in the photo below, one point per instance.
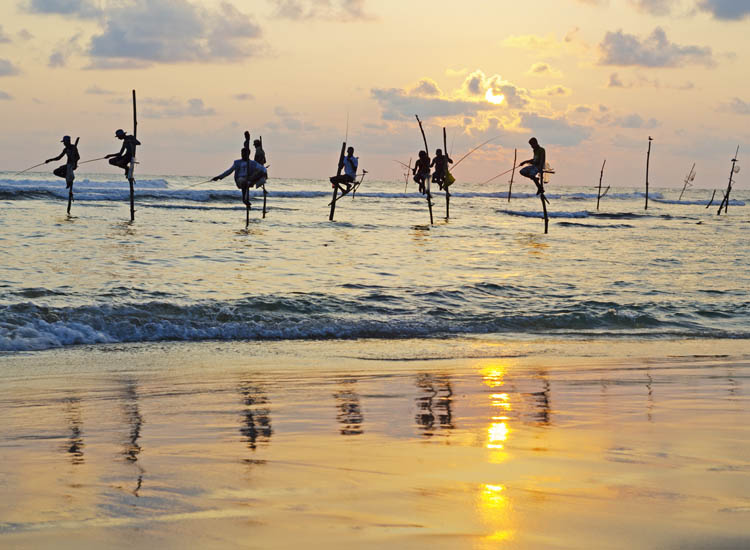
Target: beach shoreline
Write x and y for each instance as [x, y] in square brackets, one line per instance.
[461, 443]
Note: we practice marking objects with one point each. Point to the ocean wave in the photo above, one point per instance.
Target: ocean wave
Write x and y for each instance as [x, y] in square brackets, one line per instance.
[27, 326]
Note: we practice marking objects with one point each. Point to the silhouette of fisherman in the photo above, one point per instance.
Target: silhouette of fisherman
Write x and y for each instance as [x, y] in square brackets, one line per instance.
[349, 164]
[127, 152]
[246, 174]
[260, 154]
[440, 162]
[421, 171]
[67, 170]
[536, 165]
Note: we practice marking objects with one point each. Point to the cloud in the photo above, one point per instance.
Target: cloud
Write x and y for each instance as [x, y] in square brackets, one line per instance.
[300, 10]
[107, 64]
[543, 69]
[553, 91]
[243, 97]
[656, 50]
[4, 96]
[555, 131]
[290, 121]
[735, 106]
[729, 10]
[171, 108]
[59, 57]
[96, 90]
[174, 31]
[615, 82]
[397, 104]
[477, 84]
[25, 34]
[634, 120]
[7, 68]
[74, 8]
[3, 37]
[654, 7]
[426, 87]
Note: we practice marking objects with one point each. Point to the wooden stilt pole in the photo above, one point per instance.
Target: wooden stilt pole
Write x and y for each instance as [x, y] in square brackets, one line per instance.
[445, 182]
[336, 185]
[70, 189]
[599, 193]
[513, 172]
[648, 160]
[544, 208]
[688, 179]
[712, 199]
[725, 201]
[131, 179]
[265, 194]
[427, 183]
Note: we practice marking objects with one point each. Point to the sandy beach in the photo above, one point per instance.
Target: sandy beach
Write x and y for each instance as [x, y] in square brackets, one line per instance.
[469, 443]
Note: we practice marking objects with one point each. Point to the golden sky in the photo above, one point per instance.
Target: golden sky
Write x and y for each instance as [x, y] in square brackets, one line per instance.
[591, 79]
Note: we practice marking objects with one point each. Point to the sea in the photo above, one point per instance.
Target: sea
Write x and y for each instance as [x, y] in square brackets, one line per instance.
[189, 269]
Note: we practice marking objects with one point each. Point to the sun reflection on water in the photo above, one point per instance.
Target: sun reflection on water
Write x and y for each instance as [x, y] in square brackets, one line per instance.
[493, 502]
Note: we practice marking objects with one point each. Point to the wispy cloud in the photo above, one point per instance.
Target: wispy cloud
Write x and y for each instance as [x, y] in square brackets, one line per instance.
[735, 106]
[74, 8]
[622, 49]
[5, 96]
[172, 108]
[544, 70]
[300, 10]
[728, 10]
[7, 68]
[96, 90]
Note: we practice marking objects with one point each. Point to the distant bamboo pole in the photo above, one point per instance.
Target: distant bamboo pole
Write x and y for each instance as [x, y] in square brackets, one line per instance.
[512, 172]
[648, 160]
[599, 193]
[725, 201]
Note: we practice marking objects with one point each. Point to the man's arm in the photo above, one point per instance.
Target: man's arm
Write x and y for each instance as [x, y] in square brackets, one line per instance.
[119, 154]
[58, 157]
[224, 174]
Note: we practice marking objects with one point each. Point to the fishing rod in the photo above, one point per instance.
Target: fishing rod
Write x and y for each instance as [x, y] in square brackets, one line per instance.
[474, 149]
[92, 160]
[499, 175]
[204, 182]
[31, 168]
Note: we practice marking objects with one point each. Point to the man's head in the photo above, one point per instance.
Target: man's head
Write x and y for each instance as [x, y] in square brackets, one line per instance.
[350, 151]
[66, 140]
[120, 134]
[439, 152]
[534, 143]
[245, 153]
[256, 142]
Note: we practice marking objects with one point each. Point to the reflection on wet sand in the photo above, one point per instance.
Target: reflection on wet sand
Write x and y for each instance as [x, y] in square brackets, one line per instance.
[74, 446]
[256, 416]
[435, 404]
[131, 448]
[349, 409]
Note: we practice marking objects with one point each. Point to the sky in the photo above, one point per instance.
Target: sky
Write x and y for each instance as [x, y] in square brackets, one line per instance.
[591, 79]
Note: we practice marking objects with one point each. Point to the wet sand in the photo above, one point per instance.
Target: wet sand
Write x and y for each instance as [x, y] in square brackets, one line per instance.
[370, 444]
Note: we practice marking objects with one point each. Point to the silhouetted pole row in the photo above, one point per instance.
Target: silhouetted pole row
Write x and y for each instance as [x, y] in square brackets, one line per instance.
[648, 160]
[131, 180]
[725, 202]
[427, 182]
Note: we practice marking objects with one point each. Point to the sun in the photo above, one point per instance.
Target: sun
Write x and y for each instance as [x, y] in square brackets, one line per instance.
[492, 98]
